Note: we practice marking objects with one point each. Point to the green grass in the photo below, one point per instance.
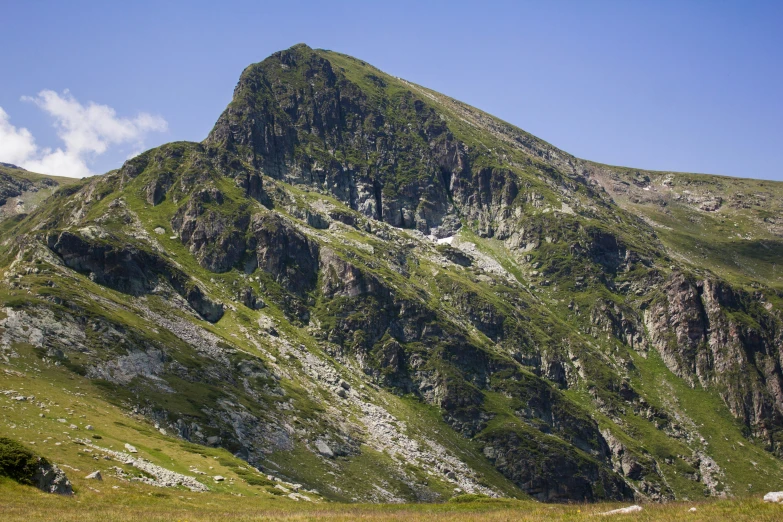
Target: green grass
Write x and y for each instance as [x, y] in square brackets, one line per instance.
[60, 393]
[34, 176]
[725, 436]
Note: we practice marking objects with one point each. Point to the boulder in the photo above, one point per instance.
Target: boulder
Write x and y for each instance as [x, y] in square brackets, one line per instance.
[51, 479]
[324, 449]
[774, 496]
[623, 511]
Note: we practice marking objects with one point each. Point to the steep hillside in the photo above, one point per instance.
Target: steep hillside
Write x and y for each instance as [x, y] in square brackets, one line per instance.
[379, 293]
[729, 226]
[21, 191]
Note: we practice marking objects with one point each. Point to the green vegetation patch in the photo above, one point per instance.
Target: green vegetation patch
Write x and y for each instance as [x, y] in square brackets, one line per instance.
[17, 462]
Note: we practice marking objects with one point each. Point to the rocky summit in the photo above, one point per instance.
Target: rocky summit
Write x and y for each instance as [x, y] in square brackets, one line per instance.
[368, 291]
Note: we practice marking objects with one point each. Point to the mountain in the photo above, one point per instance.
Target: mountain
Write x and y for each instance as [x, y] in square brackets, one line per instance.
[374, 292]
[21, 190]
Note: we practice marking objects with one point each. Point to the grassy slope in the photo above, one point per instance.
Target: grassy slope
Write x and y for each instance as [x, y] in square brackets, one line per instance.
[32, 198]
[62, 392]
[34, 176]
[718, 242]
[234, 499]
[733, 242]
[22, 503]
[748, 467]
[736, 242]
[301, 465]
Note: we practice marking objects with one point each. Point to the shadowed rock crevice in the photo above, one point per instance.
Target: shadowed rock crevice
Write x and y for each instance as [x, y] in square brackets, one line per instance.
[129, 270]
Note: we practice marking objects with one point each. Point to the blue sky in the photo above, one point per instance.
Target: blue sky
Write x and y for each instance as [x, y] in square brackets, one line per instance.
[689, 86]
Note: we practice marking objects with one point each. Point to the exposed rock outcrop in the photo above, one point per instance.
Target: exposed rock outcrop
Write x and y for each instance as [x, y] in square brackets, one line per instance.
[51, 479]
[709, 333]
[283, 252]
[131, 270]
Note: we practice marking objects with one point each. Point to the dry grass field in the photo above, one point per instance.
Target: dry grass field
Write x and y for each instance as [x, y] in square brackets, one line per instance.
[19, 503]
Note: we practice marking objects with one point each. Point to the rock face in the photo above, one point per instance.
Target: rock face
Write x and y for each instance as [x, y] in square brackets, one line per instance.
[216, 239]
[397, 186]
[284, 253]
[702, 338]
[358, 267]
[51, 479]
[550, 474]
[129, 270]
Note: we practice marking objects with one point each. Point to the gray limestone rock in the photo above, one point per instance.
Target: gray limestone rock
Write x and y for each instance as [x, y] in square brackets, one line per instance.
[324, 449]
[51, 479]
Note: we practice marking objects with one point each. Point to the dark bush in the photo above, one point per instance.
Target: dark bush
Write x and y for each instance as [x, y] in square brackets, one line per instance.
[17, 462]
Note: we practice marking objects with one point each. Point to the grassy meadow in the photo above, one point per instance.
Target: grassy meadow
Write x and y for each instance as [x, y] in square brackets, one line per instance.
[21, 503]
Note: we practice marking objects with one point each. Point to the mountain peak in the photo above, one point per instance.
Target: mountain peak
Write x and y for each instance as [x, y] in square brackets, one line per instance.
[356, 281]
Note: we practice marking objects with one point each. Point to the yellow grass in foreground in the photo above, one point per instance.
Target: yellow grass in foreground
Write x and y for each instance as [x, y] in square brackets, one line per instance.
[27, 504]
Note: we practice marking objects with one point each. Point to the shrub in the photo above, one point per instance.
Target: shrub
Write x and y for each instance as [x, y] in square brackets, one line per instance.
[17, 462]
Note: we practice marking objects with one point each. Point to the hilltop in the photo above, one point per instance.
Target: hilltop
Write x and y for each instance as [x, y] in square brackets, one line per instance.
[21, 191]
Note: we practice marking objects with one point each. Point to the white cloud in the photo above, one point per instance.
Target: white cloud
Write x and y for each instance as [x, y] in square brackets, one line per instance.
[16, 145]
[86, 131]
[58, 163]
